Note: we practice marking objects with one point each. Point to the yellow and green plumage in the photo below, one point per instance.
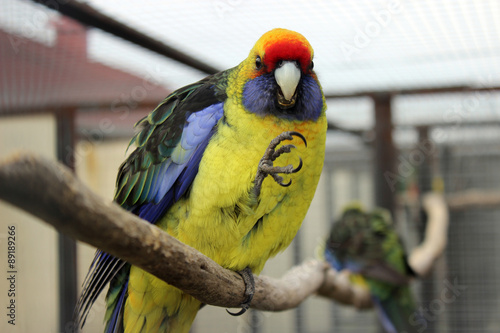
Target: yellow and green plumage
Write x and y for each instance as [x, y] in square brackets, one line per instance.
[193, 174]
[367, 245]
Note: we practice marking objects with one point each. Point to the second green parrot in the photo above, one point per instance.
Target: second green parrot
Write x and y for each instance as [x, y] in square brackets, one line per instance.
[367, 245]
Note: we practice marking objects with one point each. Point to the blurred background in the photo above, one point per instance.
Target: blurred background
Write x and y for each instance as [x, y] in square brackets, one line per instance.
[413, 93]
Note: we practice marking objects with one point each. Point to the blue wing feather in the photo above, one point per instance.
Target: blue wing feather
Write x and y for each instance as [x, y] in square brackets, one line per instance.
[179, 177]
[332, 260]
[383, 316]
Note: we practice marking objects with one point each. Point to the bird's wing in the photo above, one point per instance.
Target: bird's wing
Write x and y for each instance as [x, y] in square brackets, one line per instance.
[169, 148]
[384, 272]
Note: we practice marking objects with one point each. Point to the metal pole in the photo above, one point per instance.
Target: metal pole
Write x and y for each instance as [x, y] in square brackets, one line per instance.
[385, 152]
[297, 259]
[89, 16]
[425, 177]
[67, 247]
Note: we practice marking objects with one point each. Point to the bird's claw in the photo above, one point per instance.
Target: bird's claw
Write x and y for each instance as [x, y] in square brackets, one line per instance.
[247, 277]
[297, 169]
[266, 166]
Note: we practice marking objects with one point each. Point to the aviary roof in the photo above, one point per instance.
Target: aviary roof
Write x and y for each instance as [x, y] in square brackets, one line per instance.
[359, 45]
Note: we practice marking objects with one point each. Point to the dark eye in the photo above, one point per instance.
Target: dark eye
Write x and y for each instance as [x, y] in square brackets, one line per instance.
[258, 63]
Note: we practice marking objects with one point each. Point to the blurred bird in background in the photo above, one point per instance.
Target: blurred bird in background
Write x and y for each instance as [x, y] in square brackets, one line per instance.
[199, 172]
[367, 245]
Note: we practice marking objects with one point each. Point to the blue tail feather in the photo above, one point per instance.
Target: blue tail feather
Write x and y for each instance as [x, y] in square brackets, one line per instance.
[115, 323]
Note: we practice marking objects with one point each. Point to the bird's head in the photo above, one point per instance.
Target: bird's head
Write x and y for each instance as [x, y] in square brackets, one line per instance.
[280, 79]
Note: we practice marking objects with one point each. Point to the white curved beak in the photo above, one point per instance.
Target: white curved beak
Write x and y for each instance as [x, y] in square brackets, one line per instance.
[287, 76]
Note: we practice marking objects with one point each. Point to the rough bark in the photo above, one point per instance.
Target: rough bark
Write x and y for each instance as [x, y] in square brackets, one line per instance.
[473, 198]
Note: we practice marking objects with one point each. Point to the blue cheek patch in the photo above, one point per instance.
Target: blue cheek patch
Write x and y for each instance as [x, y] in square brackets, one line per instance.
[259, 95]
[311, 98]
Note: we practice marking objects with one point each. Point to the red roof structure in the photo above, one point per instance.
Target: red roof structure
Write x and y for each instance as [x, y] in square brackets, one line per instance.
[41, 78]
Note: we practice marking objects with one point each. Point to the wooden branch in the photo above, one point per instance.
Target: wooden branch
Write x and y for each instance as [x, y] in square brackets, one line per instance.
[473, 199]
[337, 286]
[423, 256]
[52, 193]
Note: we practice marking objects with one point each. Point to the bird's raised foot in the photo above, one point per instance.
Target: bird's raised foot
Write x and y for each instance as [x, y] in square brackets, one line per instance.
[247, 277]
[266, 166]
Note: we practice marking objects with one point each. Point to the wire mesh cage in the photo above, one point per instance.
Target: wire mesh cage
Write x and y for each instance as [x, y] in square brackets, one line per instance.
[414, 109]
[457, 157]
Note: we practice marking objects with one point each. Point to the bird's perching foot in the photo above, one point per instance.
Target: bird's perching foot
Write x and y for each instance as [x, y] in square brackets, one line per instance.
[247, 277]
[266, 166]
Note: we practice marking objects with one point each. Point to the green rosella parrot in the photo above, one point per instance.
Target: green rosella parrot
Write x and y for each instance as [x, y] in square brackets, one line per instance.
[199, 171]
[367, 245]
